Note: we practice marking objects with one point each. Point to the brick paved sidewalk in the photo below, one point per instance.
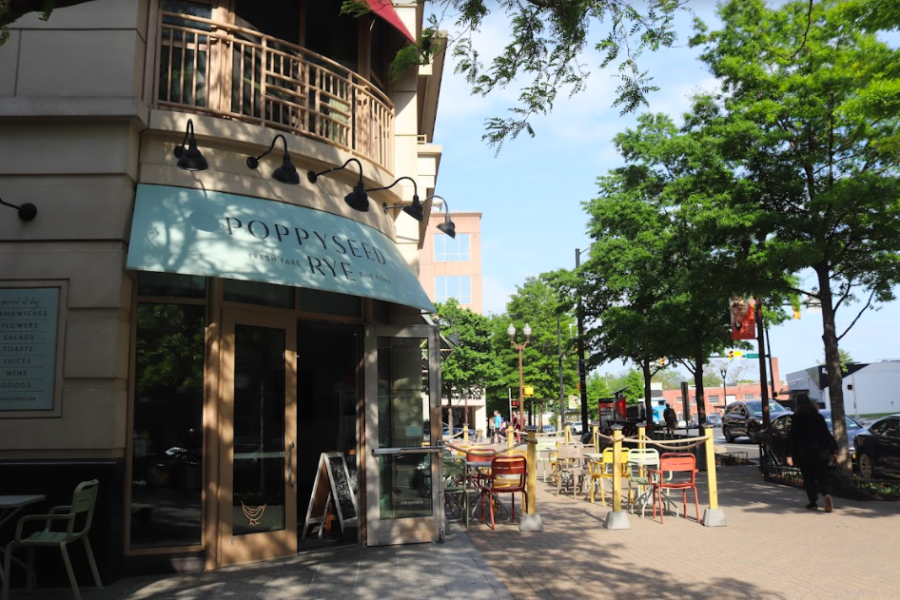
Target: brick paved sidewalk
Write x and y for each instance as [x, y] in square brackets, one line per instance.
[772, 547]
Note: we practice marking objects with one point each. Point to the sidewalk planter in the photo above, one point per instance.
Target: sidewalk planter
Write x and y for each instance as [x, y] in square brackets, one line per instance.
[872, 489]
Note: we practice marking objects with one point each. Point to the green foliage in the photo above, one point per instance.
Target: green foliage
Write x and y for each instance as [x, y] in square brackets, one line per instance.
[547, 48]
[471, 366]
[813, 129]
[634, 387]
[533, 303]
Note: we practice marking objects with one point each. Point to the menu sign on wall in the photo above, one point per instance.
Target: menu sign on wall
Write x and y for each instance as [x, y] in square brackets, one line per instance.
[29, 319]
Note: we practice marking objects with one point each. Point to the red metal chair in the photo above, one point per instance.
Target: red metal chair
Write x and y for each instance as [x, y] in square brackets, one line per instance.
[478, 476]
[673, 468]
[507, 477]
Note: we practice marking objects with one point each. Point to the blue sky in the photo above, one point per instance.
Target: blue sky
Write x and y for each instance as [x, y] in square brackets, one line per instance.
[531, 194]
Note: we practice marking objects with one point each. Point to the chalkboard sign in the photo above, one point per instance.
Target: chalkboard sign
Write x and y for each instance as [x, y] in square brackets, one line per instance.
[340, 477]
[332, 485]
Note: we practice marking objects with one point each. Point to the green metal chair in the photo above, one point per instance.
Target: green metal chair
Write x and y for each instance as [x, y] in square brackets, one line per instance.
[83, 501]
[455, 486]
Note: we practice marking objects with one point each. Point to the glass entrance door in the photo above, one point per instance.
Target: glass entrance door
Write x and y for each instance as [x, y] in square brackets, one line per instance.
[258, 504]
[403, 435]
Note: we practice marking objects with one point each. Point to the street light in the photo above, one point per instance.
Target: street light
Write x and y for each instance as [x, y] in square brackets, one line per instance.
[511, 332]
[723, 369]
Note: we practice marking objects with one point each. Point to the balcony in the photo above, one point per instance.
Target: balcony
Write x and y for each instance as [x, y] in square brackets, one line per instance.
[230, 72]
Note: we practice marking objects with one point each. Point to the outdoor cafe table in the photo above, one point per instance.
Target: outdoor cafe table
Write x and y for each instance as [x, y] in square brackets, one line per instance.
[10, 506]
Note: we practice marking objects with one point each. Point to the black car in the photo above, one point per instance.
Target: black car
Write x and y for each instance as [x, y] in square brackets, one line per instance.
[878, 448]
[745, 418]
[781, 427]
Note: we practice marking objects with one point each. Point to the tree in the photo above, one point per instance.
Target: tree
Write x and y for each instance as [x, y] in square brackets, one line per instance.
[816, 130]
[535, 304]
[471, 365]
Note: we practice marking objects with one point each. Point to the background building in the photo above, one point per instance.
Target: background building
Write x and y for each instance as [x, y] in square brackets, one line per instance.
[451, 268]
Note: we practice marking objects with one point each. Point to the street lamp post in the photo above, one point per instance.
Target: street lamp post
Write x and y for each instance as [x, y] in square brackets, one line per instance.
[512, 339]
[723, 369]
[582, 376]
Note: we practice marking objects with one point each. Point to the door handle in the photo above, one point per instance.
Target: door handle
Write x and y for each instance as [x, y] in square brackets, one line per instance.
[291, 464]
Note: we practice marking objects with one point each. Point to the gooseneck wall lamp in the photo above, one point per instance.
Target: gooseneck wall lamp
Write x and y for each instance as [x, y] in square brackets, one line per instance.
[287, 172]
[447, 227]
[357, 199]
[415, 209]
[190, 159]
[27, 211]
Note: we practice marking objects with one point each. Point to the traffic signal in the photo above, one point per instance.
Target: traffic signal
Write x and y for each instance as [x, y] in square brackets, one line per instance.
[796, 313]
[662, 362]
[731, 355]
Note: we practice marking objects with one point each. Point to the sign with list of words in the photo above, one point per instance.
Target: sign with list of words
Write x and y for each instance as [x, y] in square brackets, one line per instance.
[29, 321]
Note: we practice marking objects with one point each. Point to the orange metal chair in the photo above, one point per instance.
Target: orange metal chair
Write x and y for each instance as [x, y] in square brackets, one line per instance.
[507, 477]
[671, 476]
[480, 475]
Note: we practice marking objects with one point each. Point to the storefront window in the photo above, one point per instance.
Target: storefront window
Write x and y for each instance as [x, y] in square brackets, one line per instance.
[329, 303]
[405, 478]
[167, 454]
[263, 294]
[171, 285]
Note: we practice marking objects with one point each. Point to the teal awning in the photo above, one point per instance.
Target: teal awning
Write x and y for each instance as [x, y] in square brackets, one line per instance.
[213, 234]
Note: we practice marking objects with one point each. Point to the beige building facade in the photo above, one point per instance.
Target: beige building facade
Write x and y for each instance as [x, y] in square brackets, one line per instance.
[451, 268]
[235, 355]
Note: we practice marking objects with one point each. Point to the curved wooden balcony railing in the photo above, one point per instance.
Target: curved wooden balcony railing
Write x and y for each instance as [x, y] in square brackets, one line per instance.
[237, 73]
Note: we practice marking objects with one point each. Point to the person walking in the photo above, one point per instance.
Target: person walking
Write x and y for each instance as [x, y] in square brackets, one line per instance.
[812, 447]
[670, 418]
[498, 424]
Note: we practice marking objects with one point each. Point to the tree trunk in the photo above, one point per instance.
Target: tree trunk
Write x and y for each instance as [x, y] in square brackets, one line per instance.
[833, 368]
[648, 396]
[698, 385]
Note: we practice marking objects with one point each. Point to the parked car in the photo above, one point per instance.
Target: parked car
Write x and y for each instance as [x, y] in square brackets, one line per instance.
[576, 427]
[745, 418]
[878, 448]
[549, 429]
[781, 427]
[714, 419]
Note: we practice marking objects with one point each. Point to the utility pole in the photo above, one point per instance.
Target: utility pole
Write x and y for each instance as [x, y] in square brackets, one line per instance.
[582, 376]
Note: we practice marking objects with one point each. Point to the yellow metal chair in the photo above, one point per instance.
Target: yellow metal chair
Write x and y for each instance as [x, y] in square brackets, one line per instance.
[603, 469]
[83, 501]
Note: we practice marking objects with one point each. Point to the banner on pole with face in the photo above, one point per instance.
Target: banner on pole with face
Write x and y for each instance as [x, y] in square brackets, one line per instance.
[743, 318]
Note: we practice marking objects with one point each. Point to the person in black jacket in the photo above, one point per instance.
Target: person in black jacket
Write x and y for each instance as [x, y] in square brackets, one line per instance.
[811, 446]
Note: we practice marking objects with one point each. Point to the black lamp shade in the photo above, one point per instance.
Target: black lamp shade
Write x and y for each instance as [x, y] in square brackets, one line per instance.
[287, 172]
[358, 199]
[191, 159]
[27, 211]
[448, 227]
[415, 209]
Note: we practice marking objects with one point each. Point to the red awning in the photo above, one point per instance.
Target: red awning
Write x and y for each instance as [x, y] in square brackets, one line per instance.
[385, 10]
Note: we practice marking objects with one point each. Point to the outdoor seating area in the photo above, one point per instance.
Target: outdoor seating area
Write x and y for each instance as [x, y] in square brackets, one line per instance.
[647, 475]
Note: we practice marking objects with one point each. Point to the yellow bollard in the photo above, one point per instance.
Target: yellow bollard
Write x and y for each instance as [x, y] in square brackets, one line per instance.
[617, 519]
[531, 482]
[466, 433]
[597, 439]
[617, 470]
[712, 516]
[642, 434]
[711, 470]
[531, 521]
[510, 437]
[568, 433]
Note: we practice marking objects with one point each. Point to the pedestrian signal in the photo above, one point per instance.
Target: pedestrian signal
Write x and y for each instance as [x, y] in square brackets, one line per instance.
[515, 404]
[528, 390]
